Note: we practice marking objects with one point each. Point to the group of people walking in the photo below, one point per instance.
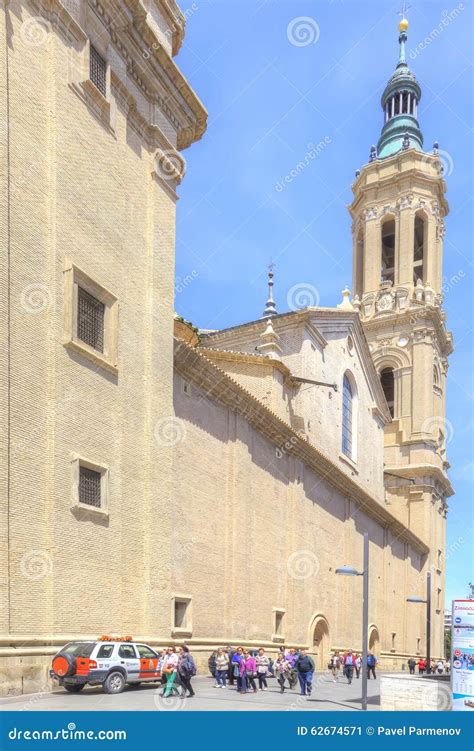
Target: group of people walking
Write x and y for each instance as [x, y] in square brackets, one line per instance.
[438, 667]
[351, 662]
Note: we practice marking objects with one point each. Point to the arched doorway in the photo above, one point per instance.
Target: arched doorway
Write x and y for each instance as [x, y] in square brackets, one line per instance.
[374, 640]
[319, 641]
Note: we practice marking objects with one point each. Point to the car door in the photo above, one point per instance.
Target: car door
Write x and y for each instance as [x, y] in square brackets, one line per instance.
[148, 663]
[128, 658]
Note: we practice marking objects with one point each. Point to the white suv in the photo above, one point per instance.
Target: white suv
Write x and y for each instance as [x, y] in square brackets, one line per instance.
[110, 663]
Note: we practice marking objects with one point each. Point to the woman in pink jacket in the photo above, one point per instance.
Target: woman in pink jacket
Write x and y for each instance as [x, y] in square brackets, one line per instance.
[248, 671]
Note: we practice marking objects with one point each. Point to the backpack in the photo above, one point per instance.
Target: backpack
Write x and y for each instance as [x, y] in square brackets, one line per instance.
[188, 667]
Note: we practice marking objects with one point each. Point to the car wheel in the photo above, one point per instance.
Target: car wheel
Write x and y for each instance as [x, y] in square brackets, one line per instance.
[74, 688]
[114, 683]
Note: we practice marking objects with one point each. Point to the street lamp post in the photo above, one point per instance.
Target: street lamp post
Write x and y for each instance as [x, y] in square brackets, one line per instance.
[415, 598]
[351, 571]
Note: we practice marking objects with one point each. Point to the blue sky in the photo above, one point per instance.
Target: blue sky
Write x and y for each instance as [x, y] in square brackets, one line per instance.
[269, 100]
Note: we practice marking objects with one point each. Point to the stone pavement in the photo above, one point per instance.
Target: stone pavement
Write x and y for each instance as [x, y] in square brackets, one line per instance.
[326, 695]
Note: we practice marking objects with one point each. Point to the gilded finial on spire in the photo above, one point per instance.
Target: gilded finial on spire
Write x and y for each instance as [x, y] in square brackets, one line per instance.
[403, 25]
[270, 307]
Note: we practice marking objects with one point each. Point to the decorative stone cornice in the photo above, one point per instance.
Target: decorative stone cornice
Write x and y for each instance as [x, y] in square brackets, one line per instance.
[219, 386]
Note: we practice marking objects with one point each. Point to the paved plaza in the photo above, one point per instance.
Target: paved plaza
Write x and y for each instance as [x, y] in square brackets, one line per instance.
[326, 695]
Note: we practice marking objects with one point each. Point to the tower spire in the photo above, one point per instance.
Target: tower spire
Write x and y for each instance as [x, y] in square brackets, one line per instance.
[270, 307]
[400, 104]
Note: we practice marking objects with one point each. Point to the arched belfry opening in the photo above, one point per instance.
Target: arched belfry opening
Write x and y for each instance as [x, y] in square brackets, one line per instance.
[387, 381]
[419, 240]
[388, 250]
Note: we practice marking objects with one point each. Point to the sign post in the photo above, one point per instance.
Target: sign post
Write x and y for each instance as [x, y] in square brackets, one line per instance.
[462, 655]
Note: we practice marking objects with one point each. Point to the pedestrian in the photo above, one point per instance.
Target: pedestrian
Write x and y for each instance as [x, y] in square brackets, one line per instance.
[263, 663]
[349, 665]
[291, 656]
[236, 660]
[281, 667]
[371, 664]
[412, 665]
[186, 669]
[421, 666]
[170, 665]
[250, 672]
[358, 665]
[335, 665]
[440, 667]
[432, 669]
[222, 666]
[230, 674]
[447, 667]
[304, 667]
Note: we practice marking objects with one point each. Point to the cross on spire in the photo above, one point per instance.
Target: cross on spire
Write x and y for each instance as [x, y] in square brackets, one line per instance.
[403, 11]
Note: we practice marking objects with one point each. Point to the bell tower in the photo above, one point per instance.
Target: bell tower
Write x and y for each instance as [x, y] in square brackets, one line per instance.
[398, 215]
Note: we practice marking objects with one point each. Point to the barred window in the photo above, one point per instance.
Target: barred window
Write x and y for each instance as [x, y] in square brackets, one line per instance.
[347, 397]
[90, 487]
[98, 70]
[90, 320]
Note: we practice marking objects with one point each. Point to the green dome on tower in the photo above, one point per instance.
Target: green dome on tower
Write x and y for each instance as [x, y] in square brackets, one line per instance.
[400, 104]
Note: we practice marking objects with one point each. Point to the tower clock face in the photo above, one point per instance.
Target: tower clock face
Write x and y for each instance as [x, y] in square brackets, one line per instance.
[385, 302]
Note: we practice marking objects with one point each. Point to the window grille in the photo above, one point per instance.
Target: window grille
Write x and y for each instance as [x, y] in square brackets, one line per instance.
[89, 487]
[90, 320]
[347, 417]
[98, 70]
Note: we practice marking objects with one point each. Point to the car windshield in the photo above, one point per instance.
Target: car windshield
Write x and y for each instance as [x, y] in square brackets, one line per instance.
[79, 648]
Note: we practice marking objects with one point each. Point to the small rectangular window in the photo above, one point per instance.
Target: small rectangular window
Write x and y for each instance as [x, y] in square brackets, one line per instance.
[279, 623]
[90, 320]
[105, 651]
[393, 640]
[98, 71]
[90, 487]
[180, 610]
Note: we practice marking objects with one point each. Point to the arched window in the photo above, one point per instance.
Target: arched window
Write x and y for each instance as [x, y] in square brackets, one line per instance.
[418, 248]
[436, 376]
[388, 386]
[347, 417]
[359, 290]
[388, 250]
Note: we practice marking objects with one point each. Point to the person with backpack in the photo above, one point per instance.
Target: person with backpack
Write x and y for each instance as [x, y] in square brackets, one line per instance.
[304, 667]
[371, 663]
[349, 661]
[412, 665]
[263, 664]
[186, 669]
